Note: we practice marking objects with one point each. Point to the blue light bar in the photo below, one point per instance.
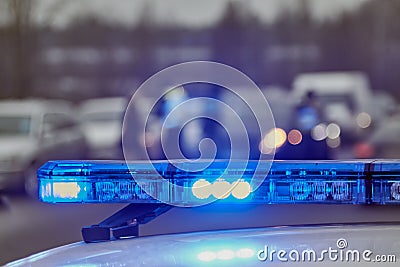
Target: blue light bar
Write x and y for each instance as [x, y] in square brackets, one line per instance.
[337, 182]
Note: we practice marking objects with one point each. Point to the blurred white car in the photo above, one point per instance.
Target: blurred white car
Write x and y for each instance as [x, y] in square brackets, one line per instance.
[345, 97]
[101, 121]
[384, 140]
[32, 132]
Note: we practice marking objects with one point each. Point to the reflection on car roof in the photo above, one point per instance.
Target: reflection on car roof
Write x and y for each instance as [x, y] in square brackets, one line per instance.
[228, 247]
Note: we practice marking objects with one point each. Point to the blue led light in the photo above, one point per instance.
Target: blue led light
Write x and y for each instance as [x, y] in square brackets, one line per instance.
[342, 182]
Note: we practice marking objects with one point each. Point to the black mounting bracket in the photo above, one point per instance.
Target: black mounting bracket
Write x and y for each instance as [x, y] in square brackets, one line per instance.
[124, 223]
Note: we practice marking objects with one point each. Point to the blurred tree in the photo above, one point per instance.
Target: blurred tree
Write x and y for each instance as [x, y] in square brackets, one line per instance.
[366, 39]
[144, 43]
[294, 26]
[21, 45]
[293, 36]
[336, 41]
[238, 39]
[229, 35]
[381, 24]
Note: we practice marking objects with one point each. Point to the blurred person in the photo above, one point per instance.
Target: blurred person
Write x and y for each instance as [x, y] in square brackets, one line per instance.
[173, 124]
[308, 114]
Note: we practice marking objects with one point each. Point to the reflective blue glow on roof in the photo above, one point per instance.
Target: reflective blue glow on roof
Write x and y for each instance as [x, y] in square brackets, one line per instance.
[200, 249]
[224, 252]
[340, 182]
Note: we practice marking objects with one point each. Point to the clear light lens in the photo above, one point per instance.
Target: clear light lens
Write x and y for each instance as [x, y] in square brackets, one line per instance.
[395, 191]
[201, 189]
[66, 190]
[241, 190]
[319, 191]
[221, 189]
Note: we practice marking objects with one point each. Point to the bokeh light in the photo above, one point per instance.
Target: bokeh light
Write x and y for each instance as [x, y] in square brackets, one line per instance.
[275, 138]
[333, 131]
[363, 120]
[333, 143]
[318, 133]
[295, 137]
[363, 150]
[149, 139]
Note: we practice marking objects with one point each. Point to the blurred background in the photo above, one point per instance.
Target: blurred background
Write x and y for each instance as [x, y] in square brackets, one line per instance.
[329, 70]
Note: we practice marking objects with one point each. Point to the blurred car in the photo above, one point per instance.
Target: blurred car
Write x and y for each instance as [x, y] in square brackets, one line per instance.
[101, 122]
[31, 132]
[383, 105]
[384, 141]
[345, 98]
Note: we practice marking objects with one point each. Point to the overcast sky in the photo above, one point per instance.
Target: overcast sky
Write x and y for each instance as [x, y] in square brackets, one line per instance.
[189, 12]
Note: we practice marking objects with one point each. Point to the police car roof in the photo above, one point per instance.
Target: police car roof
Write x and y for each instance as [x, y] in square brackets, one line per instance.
[227, 248]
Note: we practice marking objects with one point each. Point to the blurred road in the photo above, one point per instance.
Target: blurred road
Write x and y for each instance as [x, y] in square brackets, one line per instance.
[28, 226]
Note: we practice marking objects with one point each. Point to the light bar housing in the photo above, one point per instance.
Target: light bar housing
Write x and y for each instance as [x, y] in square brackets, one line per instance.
[326, 182]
